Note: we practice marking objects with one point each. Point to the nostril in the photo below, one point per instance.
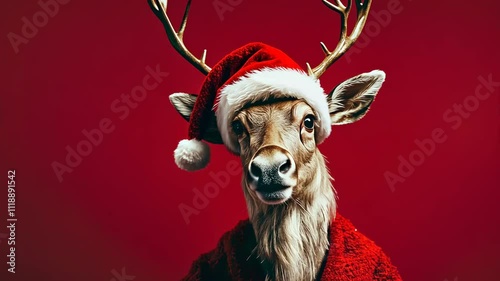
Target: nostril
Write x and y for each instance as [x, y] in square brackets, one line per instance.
[255, 170]
[285, 167]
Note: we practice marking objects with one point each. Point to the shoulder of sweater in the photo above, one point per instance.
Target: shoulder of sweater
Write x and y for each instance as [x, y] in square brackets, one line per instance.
[240, 234]
[343, 233]
[354, 256]
[229, 242]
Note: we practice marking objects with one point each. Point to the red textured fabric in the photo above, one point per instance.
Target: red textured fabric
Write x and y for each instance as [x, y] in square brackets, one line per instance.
[236, 64]
[351, 257]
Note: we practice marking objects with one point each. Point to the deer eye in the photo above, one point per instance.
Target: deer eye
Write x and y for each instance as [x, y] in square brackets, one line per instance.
[237, 127]
[309, 122]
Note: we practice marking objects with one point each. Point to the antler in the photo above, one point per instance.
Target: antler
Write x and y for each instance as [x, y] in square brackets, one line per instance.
[345, 41]
[159, 7]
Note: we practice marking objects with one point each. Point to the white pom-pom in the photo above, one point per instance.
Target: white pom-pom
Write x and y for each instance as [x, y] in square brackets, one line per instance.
[192, 155]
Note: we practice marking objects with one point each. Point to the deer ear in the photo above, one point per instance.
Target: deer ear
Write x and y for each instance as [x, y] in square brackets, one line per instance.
[184, 104]
[350, 100]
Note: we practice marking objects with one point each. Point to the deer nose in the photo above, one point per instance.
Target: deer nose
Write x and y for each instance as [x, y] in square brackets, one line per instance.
[283, 168]
[271, 166]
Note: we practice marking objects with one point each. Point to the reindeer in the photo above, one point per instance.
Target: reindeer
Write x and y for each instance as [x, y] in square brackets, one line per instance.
[290, 199]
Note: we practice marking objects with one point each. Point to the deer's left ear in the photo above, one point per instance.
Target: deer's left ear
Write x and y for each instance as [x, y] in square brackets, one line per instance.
[350, 100]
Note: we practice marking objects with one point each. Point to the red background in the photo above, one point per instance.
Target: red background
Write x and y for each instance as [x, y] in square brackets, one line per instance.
[119, 207]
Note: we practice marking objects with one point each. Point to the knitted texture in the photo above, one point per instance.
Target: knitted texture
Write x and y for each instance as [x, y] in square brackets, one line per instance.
[351, 256]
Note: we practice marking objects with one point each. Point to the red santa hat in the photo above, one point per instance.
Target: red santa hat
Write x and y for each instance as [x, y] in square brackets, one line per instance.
[252, 73]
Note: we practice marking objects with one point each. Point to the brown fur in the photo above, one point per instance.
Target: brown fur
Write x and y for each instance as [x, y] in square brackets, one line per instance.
[292, 237]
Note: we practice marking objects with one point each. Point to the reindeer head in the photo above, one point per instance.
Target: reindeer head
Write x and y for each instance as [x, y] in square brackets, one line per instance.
[275, 133]
[277, 138]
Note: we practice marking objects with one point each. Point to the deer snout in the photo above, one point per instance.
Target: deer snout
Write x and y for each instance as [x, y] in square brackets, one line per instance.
[272, 172]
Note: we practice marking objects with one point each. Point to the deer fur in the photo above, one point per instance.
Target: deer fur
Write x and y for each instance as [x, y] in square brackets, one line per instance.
[292, 237]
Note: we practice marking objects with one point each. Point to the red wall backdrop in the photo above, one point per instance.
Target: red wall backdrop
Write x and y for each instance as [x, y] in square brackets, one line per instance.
[114, 215]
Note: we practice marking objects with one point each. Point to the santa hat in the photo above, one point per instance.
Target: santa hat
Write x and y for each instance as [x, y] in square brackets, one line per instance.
[252, 73]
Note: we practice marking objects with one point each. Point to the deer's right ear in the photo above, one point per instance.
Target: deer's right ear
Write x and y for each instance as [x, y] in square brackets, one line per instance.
[183, 103]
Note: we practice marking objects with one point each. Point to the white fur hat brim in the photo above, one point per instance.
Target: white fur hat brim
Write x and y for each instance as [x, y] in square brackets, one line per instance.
[262, 84]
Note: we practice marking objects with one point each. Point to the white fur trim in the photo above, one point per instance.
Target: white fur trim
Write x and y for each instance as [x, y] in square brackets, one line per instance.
[259, 85]
[192, 155]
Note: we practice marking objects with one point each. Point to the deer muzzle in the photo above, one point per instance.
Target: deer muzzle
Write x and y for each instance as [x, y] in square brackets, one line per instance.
[272, 174]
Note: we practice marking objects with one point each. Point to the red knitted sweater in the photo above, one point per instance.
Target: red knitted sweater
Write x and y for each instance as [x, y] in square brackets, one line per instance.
[351, 256]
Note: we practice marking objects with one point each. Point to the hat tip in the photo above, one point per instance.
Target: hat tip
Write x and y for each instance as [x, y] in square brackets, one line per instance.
[192, 155]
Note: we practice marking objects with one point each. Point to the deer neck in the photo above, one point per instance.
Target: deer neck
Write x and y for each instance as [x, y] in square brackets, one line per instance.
[292, 238]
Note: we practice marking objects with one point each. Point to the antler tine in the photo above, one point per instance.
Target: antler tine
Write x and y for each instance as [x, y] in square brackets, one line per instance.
[184, 21]
[159, 7]
[345, 41]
